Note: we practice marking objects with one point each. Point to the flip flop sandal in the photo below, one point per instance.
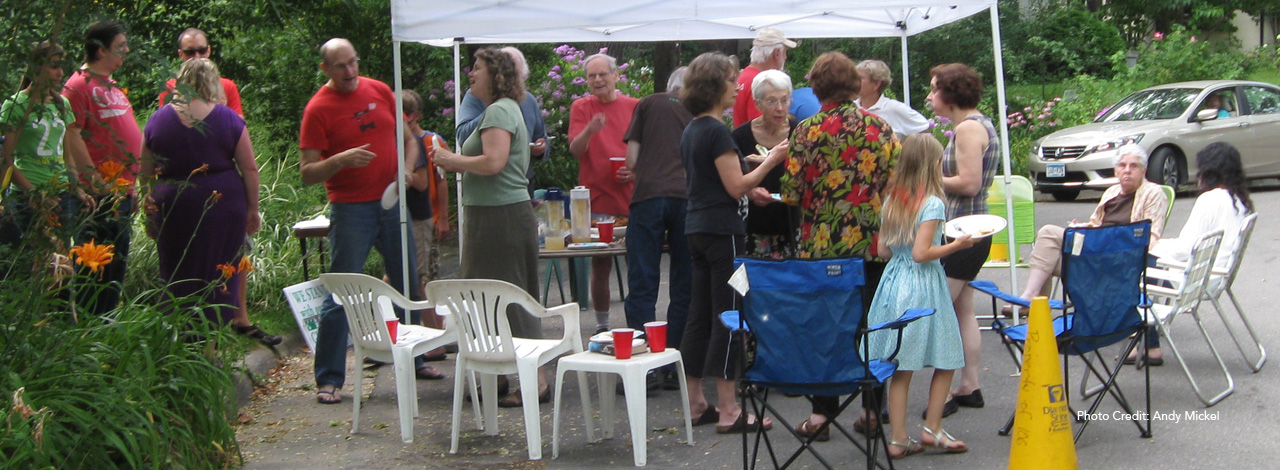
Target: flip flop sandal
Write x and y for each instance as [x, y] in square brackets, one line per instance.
[428, 373]
[951, 445]
[516, 399]
[709, 416]
[254, 332]
[806, 429]
[741, 425]
[911, 447]
[328, 397]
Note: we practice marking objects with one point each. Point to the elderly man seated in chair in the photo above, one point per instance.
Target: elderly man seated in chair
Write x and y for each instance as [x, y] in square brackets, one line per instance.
[1131, 200]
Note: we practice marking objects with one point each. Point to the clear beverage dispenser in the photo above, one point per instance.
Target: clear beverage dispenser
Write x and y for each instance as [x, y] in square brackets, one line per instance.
[580, 214]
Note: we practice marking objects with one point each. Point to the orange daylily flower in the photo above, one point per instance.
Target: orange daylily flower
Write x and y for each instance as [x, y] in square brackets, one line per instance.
[216, 196]
[227, 270]
[110, 170]
[53, 220]
[121, 184]
[246, 265]
[93, 256]
[203, 168]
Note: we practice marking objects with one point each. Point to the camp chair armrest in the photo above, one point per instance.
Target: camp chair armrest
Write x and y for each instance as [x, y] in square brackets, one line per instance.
[1159, 291]
[1181, 265]
[907, 317]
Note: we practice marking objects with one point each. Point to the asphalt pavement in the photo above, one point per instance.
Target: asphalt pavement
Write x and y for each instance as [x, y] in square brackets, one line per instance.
[286, 429]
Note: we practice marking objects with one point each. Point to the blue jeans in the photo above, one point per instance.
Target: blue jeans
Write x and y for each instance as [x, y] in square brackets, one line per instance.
[354, 229]
[652, 221]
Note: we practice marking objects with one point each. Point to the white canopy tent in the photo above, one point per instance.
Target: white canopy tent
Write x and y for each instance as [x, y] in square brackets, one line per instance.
[450, 23]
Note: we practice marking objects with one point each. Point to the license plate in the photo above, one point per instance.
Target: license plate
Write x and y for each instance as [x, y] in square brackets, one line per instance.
[1056, 170]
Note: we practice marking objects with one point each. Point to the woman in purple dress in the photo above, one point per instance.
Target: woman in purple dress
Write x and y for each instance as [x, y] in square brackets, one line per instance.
[204, 197]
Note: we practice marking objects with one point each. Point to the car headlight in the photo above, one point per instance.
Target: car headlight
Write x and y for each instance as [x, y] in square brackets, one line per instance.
[1115, 144]
[1035, 146]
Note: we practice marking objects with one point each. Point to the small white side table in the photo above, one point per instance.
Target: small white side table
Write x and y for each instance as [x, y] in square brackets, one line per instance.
[633, 373]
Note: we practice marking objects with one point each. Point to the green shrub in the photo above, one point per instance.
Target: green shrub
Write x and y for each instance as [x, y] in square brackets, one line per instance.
[1180, 56]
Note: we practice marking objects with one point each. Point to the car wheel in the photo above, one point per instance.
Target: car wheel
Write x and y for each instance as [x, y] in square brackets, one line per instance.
[1065, 196]
[1163, 167]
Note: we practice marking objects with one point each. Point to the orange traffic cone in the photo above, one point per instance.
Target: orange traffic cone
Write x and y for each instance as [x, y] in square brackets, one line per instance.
[1042, 436]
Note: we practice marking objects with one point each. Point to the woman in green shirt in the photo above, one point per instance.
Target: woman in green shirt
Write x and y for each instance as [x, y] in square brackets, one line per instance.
[38, 173]
[500, 232]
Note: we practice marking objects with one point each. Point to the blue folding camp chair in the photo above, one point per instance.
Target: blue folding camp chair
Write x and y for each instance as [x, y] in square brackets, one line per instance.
[1104, 276]
[803, 317]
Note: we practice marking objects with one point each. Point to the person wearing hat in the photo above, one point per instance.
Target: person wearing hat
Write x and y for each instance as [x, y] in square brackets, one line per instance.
[768, 52]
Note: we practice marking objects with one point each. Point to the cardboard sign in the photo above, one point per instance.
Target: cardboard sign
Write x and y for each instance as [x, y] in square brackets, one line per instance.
[305, 300]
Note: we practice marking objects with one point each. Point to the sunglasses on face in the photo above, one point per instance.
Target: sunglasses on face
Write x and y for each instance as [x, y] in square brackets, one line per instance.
[195, 50]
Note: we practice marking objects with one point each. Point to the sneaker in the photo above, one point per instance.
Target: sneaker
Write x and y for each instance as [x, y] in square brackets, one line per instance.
[670, 381]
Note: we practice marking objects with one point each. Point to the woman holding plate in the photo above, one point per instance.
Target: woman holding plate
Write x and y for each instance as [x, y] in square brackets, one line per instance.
[968, 167]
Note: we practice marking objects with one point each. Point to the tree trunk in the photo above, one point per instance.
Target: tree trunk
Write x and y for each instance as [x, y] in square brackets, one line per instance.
[666, 58]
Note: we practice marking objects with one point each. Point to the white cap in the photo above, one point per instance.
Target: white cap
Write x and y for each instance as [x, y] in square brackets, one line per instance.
[772, 37]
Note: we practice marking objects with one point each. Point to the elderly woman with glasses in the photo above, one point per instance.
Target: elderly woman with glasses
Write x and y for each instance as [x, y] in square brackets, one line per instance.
[769, 225]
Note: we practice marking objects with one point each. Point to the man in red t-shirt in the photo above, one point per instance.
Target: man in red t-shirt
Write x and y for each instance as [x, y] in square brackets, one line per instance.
[768, 52]
[348, 142]
[106, 130]
[194, 44]
[597, 123]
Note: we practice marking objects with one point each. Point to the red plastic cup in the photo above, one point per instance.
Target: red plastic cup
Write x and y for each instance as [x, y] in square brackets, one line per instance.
[393, 326]
[622, 342]
[616, 163]
[656, 332]
[606, 231]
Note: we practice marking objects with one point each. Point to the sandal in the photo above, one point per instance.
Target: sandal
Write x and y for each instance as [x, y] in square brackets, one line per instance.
[328, 397]
[428, 373]
[806, 429]
[709, 416]
[861, 427]
[254, 332]
[516, 399]
[950, 444]
[741, 426]
[911, 447]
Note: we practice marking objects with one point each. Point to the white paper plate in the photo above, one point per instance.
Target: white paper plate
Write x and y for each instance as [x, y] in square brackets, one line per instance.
[390, 196]
[977, 225]
[606, 337]
[587, 246]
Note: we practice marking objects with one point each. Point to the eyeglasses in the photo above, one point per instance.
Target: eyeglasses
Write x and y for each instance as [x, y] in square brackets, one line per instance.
[122, 49]
[194, 50]
[353, 63]
[772, 103]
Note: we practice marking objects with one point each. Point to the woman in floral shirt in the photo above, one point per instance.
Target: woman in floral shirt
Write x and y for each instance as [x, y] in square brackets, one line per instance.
[838, 168]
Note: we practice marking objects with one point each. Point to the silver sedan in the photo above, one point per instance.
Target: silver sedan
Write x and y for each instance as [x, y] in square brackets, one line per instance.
[1172, 122]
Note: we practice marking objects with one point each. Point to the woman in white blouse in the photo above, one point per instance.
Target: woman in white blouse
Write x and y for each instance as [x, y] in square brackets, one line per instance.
[1223, 205]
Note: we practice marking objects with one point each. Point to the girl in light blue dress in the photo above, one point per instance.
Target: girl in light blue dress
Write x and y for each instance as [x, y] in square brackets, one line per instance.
[911, 230]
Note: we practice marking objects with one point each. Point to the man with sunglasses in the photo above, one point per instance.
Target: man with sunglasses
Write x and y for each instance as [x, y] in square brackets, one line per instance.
[194, 44]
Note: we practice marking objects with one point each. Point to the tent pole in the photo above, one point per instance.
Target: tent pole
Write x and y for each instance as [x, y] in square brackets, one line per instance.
[906, 82]
[405, 241]
[457, 104]
[1001, 112]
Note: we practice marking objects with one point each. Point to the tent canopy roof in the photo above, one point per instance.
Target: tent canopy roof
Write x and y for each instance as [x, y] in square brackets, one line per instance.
[440, 22]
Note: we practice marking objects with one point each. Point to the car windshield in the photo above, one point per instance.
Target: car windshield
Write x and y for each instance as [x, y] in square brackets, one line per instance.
[1165, 103]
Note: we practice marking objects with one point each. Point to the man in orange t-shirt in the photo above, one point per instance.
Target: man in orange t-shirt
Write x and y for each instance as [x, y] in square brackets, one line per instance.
[597, 123]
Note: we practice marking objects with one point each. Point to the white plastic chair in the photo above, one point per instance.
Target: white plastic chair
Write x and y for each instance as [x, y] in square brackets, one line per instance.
[364, 298]
[1184, 299]
[1220, 280]
[477, 310]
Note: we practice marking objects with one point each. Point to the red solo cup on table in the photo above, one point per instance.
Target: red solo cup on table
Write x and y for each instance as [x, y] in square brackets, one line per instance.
[656, 332]
[622, 342]
[616, 163]
[606, 230]
[393, 327]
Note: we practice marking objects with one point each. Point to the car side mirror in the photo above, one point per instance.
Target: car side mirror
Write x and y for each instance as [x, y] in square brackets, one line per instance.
[1206, 115]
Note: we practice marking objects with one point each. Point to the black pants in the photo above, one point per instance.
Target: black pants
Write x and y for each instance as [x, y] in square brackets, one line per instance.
[111, 222]
[705, 344]
[827, 406]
